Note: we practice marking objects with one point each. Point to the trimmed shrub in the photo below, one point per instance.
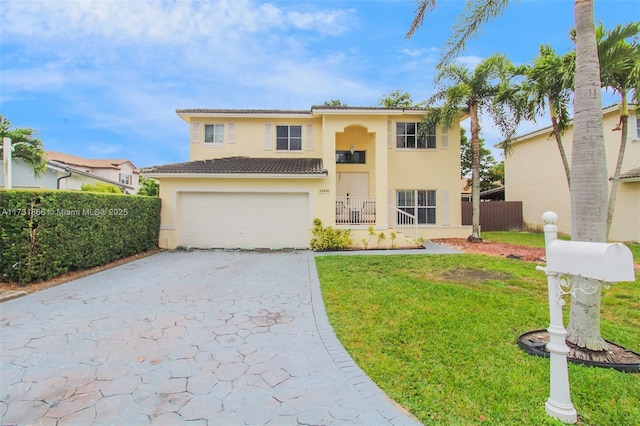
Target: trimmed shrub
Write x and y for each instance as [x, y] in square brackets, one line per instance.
[325, 239]
[47, 233]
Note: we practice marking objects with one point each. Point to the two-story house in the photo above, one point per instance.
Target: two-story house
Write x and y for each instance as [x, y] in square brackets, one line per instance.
[534, 174]
[69, 172]
[258, 178]
[120, 172]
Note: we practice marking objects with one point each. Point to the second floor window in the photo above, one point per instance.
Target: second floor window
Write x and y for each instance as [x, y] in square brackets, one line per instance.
[409, 136]
[214, 133]
[289, 138]
[358, 157]
[125, 178]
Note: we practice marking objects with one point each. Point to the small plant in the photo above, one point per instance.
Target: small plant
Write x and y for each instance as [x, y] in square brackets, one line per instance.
[393, 239]
[325, 239]
[419, 241]
[372, 233]
[381, 237]
[365, 243]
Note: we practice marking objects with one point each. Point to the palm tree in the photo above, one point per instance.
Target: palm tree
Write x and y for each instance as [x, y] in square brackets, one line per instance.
[589, 185]
[472, 93]
[620, 71]
[26, 146]
[589, 181]
[548, 85]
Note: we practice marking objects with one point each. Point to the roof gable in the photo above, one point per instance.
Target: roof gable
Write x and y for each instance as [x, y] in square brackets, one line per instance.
[74, 160]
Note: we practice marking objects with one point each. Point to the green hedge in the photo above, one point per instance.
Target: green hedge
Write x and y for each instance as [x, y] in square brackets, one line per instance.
[47, 233]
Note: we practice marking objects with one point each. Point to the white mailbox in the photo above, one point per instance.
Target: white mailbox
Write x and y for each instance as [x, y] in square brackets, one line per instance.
[572, 267]
[608, 262]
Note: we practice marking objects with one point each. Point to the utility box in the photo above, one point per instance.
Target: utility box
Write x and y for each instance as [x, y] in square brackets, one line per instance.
[608, 262]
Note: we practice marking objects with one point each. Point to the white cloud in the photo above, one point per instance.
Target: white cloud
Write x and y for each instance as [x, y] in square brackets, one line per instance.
[417, 53]
[327, 22]
[470, 62]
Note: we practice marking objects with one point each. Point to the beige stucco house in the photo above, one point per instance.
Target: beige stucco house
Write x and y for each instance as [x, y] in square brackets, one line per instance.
[258, 178]
[59, 175]
[119, 172]
[535, 176]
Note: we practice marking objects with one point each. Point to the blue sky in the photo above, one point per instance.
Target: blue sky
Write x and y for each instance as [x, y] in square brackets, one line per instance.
[102, 79]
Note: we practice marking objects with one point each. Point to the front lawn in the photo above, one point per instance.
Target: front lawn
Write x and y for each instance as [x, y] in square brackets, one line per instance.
[532, 239]
[438, 333]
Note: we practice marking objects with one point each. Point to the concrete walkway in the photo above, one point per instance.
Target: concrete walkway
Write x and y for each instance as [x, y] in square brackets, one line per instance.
[217, 338]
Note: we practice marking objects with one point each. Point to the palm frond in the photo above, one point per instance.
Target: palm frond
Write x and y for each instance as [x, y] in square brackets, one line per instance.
[26, 146]
[468, 25]
[423, 7]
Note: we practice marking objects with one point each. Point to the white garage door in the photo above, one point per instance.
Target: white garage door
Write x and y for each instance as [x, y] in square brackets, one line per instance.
[237, 219]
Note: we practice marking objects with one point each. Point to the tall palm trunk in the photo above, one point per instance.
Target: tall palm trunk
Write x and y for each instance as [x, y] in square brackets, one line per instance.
[589, 185]
[624, 118]
[558, 138]
[475, 173]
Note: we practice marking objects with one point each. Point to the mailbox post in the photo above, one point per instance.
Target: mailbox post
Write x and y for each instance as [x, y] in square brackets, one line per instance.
[574, 266]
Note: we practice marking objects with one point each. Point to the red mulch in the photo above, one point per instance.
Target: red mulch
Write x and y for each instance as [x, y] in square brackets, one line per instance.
[530, 254]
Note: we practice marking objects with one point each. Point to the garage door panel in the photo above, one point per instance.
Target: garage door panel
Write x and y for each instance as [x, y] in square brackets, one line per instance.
[244, 219]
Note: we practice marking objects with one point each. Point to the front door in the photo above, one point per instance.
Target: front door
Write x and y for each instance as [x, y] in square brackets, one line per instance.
[352, 185]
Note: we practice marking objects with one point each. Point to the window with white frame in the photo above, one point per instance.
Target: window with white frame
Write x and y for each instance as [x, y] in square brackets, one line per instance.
[289, 138]
[125, 178]
[420, 203]
[414, 135]
[214, 133]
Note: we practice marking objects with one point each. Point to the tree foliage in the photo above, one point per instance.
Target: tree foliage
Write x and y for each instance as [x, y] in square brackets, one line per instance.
[148, 187]
[491, 171]
[398, 99]
[619, 56]
[487, 89]
[477, 12]
[105, 188]
[548, 85]
[26, 144]
[334, 103]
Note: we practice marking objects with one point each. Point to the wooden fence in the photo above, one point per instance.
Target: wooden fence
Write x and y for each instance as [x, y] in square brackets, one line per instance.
[495, 215]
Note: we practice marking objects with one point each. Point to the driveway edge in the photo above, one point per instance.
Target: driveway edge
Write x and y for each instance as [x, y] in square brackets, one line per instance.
[367, 388]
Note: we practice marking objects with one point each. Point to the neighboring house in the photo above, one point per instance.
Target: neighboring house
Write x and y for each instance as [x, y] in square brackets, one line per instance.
[56, 176]
[258, 178]
[493, 194]
[535, 176]
[120, 172]
[465, 190]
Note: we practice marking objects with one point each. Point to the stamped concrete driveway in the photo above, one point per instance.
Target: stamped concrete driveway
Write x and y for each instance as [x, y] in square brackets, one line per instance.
[218, 338]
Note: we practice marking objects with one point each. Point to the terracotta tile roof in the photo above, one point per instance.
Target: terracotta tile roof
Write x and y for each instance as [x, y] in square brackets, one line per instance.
[74, 160]
[244, 165]
[239, 111]
[293, 111]
[631, 174]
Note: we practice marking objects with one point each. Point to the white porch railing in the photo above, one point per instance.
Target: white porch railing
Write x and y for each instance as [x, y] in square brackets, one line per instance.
[403, 222]
[355, 210]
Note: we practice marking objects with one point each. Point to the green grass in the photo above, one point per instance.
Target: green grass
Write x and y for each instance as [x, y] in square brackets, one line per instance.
[439, 334]
[532, 239]
[529, 239]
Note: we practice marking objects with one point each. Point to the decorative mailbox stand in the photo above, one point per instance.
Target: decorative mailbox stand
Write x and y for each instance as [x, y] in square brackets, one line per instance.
[572, 267]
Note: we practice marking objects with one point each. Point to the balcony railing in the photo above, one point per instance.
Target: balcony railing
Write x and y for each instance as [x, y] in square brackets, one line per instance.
[355, 210]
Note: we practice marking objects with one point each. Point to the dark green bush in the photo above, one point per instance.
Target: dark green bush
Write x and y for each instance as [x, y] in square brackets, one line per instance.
[46, 233]
[328, 238]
